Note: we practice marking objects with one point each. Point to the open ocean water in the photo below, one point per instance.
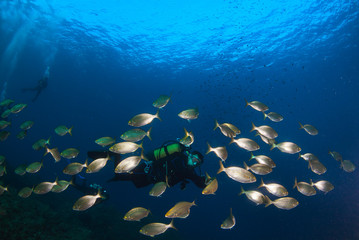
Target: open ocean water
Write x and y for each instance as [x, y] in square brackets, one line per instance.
[109, 60]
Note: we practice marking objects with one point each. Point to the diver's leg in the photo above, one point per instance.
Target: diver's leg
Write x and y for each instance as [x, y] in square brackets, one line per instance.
[37, 95]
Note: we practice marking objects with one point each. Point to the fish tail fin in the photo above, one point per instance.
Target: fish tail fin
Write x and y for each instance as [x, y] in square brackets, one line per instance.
[47, 151]
[242, 191]
[299, 156]
[311, 182]
[140, 146]
[47, 142]
[265, 115]
[301, 126]
[273, 146]
[148, 133]
[216, 124]
[70, 130]
[143, 156]
[86, 163]
[209, 148]
[262, 183]
[246, 102]
[207, 176]
[268, 201]
[157, 115]
[295, 183]
[221, 167]
[186, 132]
[232, 140]
[253, 127]
[171, 225]
[252, 156]
[194, 203]
[245, 166]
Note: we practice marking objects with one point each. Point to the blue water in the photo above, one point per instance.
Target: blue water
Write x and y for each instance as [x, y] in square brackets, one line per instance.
[110, 60]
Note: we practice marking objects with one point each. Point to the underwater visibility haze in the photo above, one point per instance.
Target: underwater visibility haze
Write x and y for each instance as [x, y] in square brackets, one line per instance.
[94, 65]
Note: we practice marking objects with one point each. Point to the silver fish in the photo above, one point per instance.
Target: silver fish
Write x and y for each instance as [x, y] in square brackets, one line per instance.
[309, 129]
[287, 147]
[274, 188]
[245, 143]
[304, 188]
[322, 185]
[263, 159]
[258, 168]
[220, 152]
[237, 174]
[265, 130]
[229, 222]
[255, 196]
[285, 203]
[154, 229]
[274, 117]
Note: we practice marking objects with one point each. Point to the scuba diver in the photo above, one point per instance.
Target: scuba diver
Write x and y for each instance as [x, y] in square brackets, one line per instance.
[41, 84]
[172, 163]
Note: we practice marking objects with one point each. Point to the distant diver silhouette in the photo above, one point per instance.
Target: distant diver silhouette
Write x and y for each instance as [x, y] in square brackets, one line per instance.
[41, 84]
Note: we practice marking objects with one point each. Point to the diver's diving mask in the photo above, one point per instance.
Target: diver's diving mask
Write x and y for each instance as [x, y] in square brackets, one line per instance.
[193, 160]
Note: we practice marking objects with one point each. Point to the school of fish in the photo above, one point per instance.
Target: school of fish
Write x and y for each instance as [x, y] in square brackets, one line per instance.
[246, 174]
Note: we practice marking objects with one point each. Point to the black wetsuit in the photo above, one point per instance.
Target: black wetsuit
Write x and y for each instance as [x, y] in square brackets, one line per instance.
[177, 172]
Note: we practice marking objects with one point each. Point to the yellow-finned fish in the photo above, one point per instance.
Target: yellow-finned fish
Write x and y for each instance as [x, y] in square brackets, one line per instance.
[265, 130]
[323, 185]
[285, 203]
[125, 147]
[229, 222]
[70, 153]
[154, 229]
[310, 129]
[136, 214]
[105, 141]
[226, 130]
[85, 202]
[44, 187]
[274, 188]
[74, 168]
[25, 192]
[135, 135]
[54, 153]
[158, 189]
[304, 188]
[258, 168]
[189, 114]
[34, 167]
[347, 166]
[245, 143]
[263, 159]
[161, 101]
[220, 152]
[97, 164]
[287, 147]
[63, 130]
[273, 116]
[256, 105]
[237, 174]
[255, 196]
[180, 210]
[143, 119]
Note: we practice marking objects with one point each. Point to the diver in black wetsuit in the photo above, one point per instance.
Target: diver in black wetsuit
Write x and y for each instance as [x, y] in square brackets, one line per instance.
[172, 163]
[41, 84]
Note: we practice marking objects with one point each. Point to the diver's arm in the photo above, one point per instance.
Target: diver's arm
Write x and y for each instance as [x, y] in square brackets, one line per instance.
[200, 181]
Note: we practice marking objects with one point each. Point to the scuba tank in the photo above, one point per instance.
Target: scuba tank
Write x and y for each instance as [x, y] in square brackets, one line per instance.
[167, 149]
